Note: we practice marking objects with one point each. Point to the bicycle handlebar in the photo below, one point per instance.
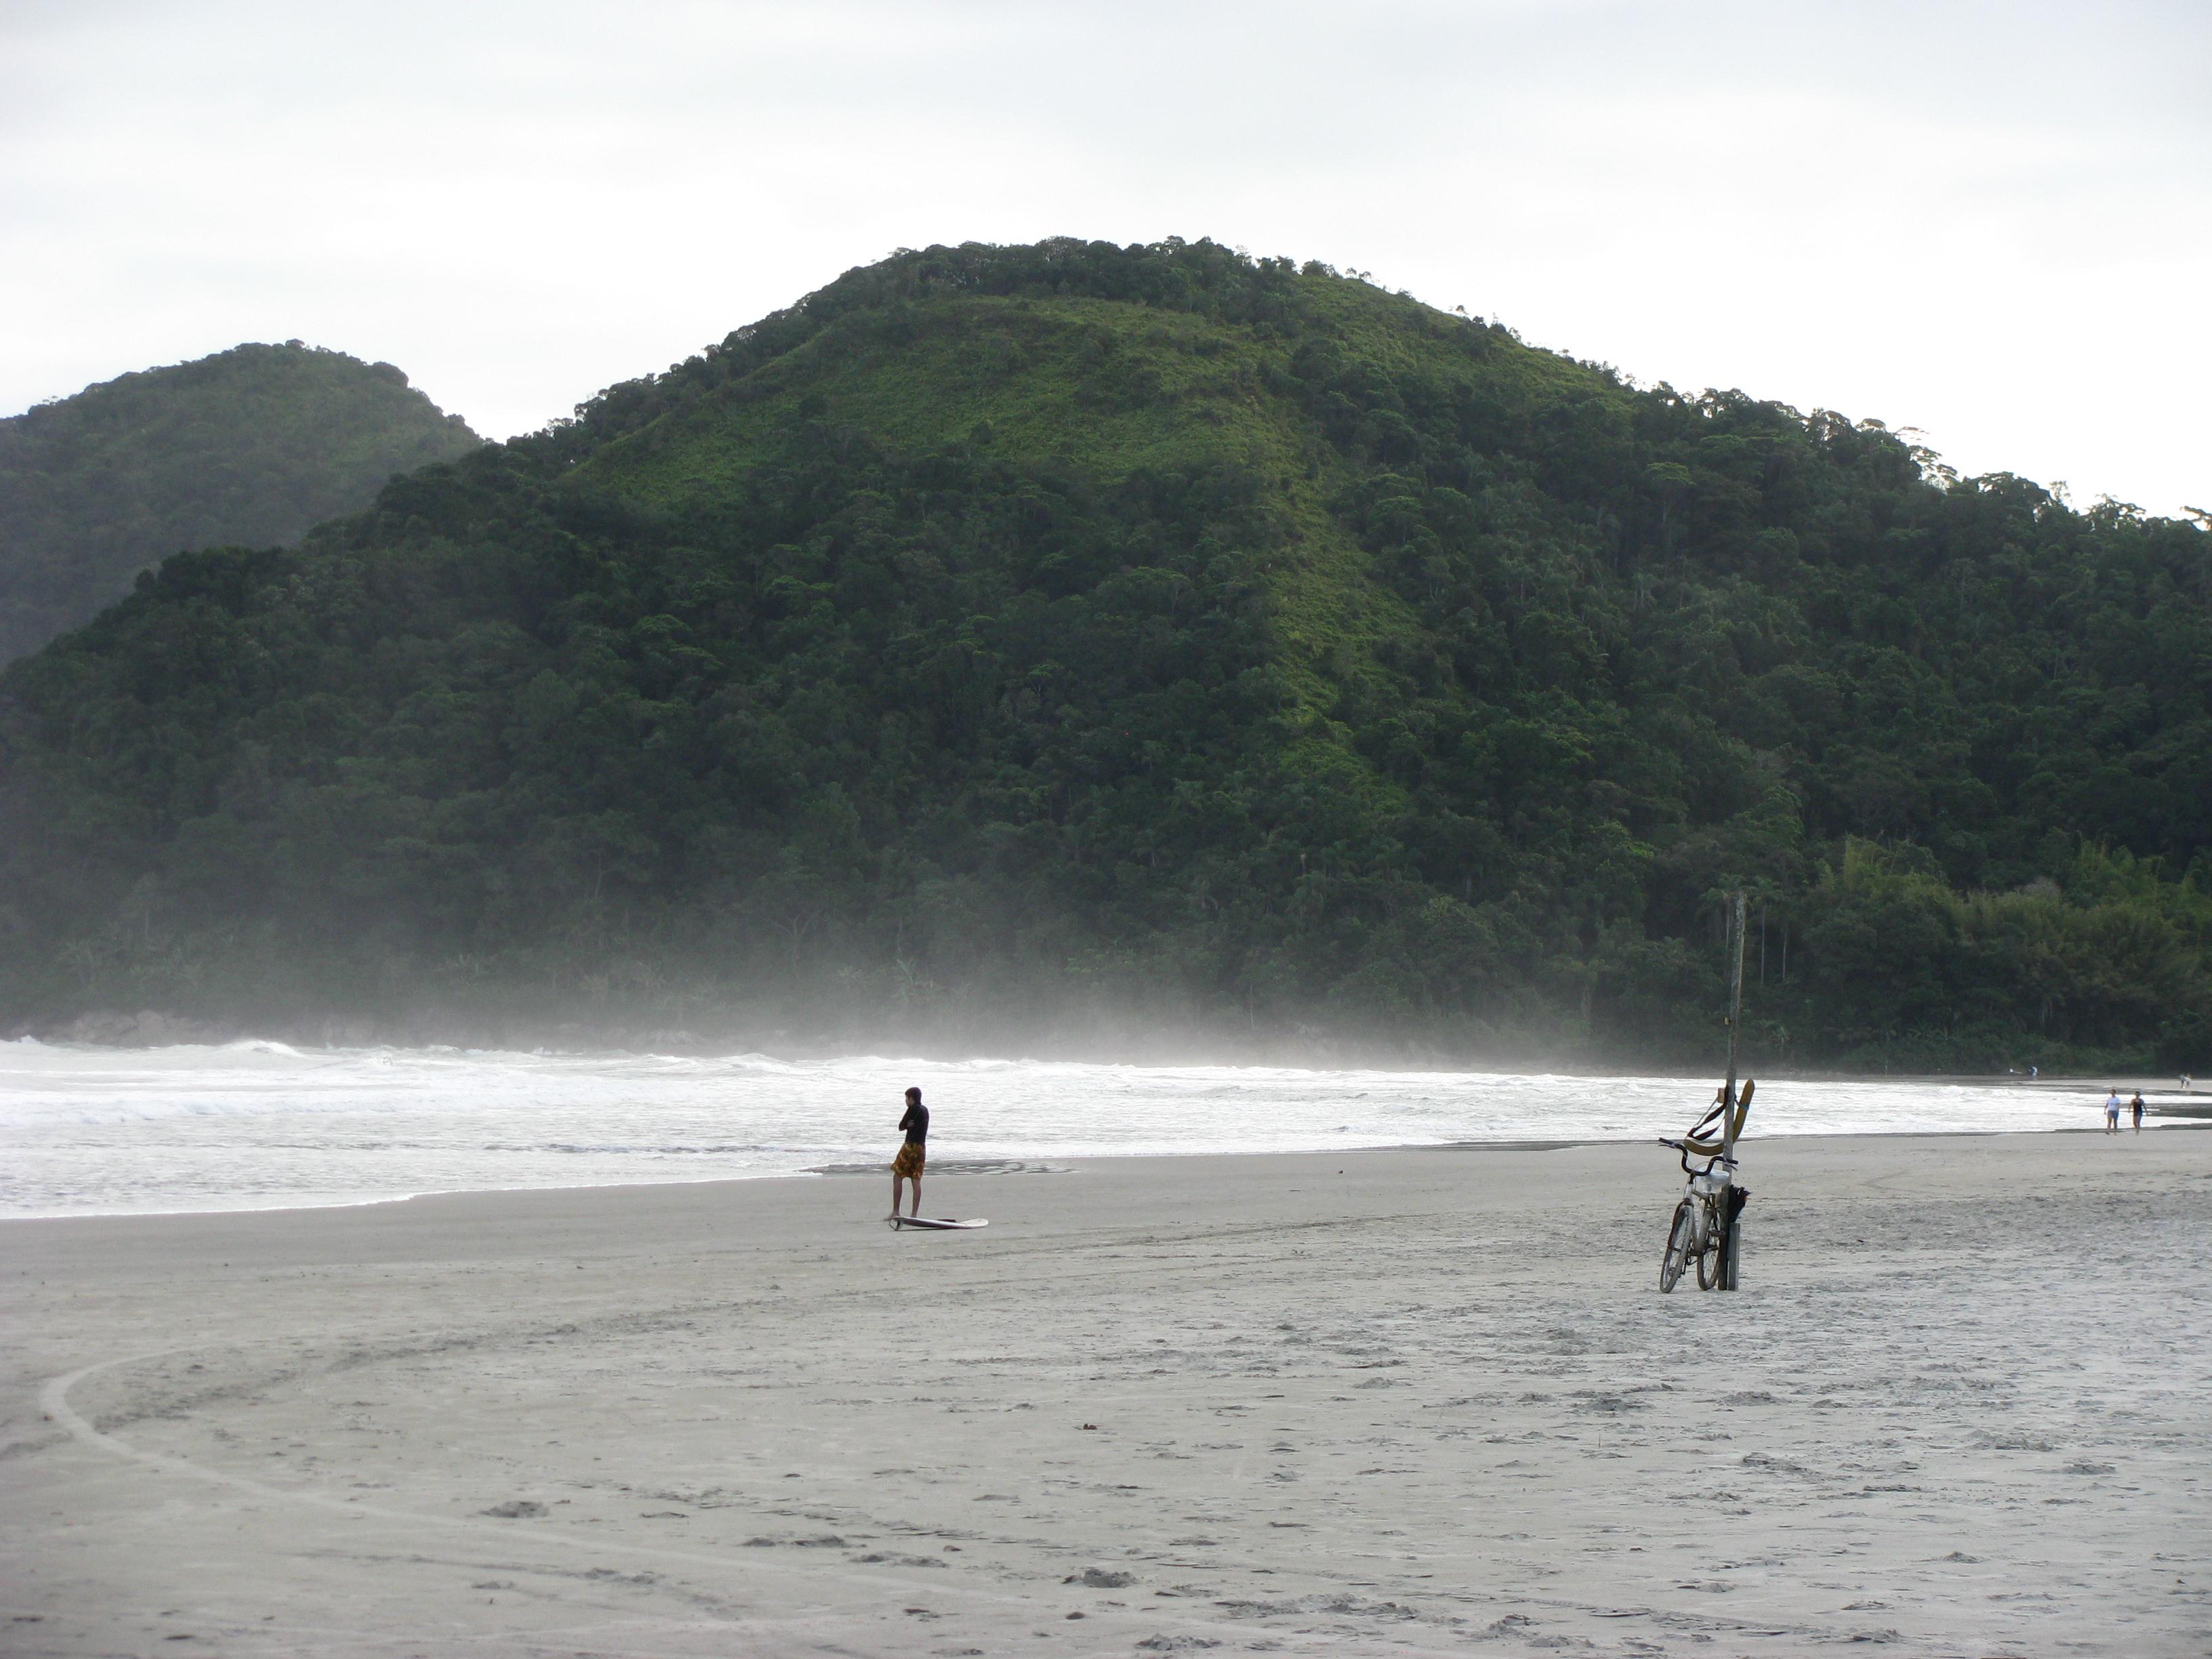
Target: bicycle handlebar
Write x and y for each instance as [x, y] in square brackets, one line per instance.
[1717, 1158]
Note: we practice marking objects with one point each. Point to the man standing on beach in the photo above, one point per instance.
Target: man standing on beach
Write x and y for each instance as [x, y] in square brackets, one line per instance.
[2112, 1113]
[906, 1166]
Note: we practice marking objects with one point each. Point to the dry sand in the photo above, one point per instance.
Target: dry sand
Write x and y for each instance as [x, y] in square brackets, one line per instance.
[1410, 1402]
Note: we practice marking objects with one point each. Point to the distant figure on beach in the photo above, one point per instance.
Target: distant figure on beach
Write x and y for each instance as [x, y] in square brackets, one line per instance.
[2034, 1072]
[2136, 1107]
[2184, 1083]
[906, 1166]
[2112, 1113]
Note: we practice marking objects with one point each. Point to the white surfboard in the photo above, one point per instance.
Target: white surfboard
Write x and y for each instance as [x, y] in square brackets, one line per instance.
[941, 1224]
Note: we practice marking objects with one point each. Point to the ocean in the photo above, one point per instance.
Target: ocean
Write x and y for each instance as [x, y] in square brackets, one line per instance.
[259, 1124]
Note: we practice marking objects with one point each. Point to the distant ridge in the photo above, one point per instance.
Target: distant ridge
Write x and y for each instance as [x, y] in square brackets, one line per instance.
[250, 448]
[1012, 644]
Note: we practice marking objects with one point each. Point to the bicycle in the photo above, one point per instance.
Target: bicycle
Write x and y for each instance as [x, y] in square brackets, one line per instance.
[1702, 1228]
[1698, 1231]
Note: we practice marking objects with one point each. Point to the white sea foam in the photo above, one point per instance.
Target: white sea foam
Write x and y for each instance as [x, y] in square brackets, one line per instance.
[256, 1124]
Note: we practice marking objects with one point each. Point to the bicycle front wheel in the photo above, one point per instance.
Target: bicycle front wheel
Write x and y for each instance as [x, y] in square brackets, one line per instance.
[1681, 1241]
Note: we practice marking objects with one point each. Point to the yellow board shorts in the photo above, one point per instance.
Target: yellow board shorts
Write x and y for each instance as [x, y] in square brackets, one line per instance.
[908, 1164]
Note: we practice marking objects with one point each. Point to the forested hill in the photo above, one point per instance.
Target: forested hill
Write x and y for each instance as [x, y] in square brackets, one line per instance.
[1022, 640]
[253, 446]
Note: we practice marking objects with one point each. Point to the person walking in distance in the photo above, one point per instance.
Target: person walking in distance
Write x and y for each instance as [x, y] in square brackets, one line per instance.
[906, 1166]
[2112, 1113]
[2136, 1108]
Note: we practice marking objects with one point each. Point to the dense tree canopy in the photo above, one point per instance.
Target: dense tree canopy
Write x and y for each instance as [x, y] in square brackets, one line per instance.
[1006, 635]
[253, 446]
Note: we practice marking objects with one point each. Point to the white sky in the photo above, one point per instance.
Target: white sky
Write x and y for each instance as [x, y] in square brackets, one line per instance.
[1992, 222]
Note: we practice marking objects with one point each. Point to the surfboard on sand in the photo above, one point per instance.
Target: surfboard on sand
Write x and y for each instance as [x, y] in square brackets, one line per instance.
[941, 1224]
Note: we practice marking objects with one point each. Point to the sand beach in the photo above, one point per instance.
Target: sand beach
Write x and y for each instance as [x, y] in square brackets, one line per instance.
[1407, 1402]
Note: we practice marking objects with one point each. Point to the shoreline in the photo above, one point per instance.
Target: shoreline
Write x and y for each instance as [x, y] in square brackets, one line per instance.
[1042, 1164]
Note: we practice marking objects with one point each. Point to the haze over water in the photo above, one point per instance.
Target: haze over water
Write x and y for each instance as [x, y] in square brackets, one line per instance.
[260, 1125]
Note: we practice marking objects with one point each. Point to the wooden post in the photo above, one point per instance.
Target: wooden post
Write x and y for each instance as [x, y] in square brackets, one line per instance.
[1732, 1234]
[1735, 1018]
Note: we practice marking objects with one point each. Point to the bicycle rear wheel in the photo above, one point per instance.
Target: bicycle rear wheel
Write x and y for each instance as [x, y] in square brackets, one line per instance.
[1709, 1259]
[1681, 1236]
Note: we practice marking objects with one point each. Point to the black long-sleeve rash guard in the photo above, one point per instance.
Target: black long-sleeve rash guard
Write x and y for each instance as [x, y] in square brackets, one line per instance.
[916, 1124]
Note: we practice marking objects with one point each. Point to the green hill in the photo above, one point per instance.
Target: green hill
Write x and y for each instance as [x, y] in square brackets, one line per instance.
[251, 447]
[1021, 641]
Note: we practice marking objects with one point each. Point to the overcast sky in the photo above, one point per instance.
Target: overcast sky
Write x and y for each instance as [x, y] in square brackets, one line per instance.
[1991, 222]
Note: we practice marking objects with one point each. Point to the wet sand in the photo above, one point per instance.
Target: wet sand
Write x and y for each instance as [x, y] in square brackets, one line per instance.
[1425, 1402]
